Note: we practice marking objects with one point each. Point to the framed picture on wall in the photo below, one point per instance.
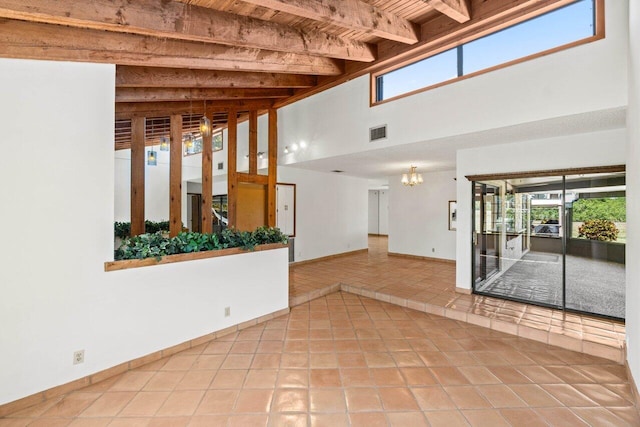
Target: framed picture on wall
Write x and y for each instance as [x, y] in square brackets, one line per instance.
[453, 212]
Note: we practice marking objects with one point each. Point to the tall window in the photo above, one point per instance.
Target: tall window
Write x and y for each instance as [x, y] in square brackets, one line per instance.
[561, 27]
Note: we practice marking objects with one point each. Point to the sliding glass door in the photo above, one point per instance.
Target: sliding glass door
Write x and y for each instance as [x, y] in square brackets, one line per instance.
[556, 241]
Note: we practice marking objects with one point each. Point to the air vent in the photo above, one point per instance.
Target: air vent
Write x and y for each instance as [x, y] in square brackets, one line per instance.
[377, 133]
[220, 166]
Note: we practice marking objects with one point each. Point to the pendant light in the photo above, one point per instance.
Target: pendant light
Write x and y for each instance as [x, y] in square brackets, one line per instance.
[164, 143]
[205, 123]
[152, 157]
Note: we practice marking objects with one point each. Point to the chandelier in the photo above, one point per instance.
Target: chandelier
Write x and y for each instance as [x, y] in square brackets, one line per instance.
[412, 178]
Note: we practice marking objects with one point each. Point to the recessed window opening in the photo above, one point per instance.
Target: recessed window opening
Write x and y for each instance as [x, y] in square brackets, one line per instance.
[559, 28]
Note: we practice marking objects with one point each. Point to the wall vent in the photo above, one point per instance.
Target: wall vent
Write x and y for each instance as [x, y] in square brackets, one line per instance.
[220, 166]
[377, 133]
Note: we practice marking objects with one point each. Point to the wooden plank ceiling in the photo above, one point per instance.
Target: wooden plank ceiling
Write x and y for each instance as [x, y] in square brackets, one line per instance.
[191, 56]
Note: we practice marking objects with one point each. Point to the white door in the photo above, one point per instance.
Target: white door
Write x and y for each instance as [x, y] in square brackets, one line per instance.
[374, 202]
[286, 208]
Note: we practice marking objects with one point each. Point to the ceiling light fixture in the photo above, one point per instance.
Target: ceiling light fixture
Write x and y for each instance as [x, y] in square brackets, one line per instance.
[205, 123]
[164, 143]
[412, 178]
[152, 157]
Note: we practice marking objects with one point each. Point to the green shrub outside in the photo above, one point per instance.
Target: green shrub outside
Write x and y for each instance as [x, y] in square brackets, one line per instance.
[599, 229]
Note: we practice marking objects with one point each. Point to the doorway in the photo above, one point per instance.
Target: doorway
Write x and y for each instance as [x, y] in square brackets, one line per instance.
[556, 241]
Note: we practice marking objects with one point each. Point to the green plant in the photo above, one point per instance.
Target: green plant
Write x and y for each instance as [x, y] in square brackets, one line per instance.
[123, 229]
[599, 229]
[155, 245]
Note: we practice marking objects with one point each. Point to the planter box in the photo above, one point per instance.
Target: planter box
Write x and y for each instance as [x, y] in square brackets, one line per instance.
[168, 259]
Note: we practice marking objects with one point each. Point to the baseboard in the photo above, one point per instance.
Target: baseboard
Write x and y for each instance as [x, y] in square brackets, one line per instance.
[464, 291]
[378, 235]
[324, 258]
[40, 397]
[424, 258]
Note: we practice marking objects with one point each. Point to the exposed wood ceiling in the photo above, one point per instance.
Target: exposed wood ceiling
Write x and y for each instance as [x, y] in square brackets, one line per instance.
[182, 56]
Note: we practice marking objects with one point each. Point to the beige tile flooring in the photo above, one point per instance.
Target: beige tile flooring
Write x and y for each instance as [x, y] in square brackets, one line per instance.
[430, 286]
[348, 360]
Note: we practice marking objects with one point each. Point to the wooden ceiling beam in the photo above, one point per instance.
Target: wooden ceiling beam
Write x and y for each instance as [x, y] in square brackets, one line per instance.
[176, 20]
[19, 39]
[127, 76]
[126, 110]
[458, 10]
[350, 14]
[144, 94]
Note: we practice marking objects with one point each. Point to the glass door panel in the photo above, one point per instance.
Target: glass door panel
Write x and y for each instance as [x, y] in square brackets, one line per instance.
[596, 237]
[518, 238]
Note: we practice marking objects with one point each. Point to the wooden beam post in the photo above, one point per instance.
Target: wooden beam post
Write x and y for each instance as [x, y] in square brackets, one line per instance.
[253, 142]
[137, 175]
[207, 183]
[232, 172]
[273, 167]
[175, 176]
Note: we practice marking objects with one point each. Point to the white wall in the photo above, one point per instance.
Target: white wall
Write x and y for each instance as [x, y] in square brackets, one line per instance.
[633, 194]
[418, 216]
[587, 78]
[582, 150]
[56, 297]
[331, 212]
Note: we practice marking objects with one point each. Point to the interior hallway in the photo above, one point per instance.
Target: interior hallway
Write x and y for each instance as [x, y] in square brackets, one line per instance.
[347, 360]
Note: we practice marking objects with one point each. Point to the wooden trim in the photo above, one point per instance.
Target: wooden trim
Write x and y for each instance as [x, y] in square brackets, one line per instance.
[422, 258]
[206, 215]
[295, 190]
[137, 175]
[328, 257]
[550, 172]
[232, 168]
[599, 35]
[175, 176]
[193, 256]
[464, 291]
[273, 169]
[43, 396]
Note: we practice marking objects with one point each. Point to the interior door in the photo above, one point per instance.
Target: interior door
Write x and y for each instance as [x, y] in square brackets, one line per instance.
[286, 208]
[486, 234]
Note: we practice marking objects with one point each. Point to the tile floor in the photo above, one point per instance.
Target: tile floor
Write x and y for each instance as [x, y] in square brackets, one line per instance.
[347, 360]
[430, 286]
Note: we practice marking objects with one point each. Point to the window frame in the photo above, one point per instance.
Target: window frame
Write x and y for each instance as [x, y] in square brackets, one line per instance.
[599, 34]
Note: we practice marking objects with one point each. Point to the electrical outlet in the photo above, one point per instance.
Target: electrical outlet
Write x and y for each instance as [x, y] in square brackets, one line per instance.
[78, 357]
[433, 249]
[227, 311]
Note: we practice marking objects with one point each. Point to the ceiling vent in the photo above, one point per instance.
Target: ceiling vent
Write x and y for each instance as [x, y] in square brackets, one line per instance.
[377, 133]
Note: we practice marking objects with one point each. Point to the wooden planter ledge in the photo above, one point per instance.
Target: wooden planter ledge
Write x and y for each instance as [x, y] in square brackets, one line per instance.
[168, 259]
